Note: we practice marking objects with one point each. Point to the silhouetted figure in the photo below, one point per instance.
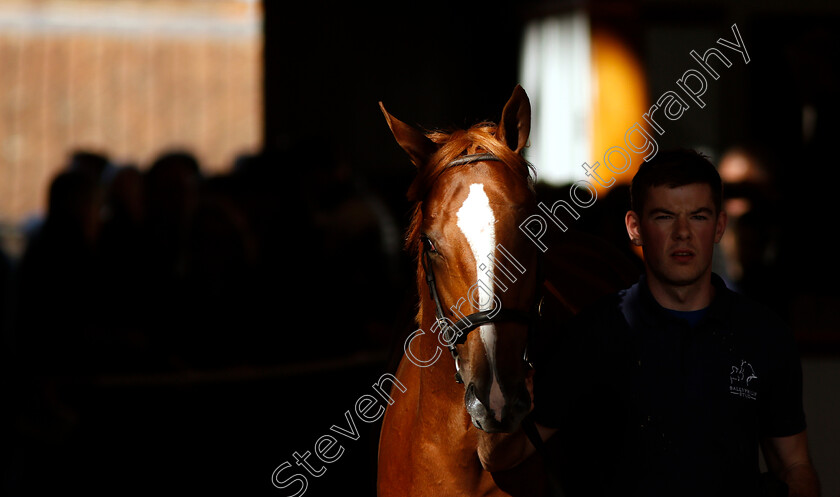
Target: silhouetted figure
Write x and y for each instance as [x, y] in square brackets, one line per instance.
[121, 252]
[58, 278]
[751, 247]
[93, 163]
[170, 197]
[219, 291]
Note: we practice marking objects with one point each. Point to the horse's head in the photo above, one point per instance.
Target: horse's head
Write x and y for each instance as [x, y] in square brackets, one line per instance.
[477, 274]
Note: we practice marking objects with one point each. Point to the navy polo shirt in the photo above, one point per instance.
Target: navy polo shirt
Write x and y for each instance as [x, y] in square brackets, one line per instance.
[648, 403]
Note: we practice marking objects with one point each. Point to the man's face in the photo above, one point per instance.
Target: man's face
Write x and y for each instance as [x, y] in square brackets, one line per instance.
[678, 230]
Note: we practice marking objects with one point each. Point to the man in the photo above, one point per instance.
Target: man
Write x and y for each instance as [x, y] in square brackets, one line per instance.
[668, 388]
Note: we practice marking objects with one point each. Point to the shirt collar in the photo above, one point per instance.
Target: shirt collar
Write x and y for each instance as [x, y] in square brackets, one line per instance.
[639, 305]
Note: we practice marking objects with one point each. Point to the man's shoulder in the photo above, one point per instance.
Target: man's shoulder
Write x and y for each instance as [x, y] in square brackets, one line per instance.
[757, 324]
[605, 317]
[744, 309]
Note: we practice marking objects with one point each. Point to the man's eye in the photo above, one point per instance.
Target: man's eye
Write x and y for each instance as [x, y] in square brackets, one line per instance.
[428, 245]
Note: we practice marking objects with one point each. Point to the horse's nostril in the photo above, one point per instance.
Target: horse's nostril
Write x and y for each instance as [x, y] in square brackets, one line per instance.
[471, 389]
[471, 399]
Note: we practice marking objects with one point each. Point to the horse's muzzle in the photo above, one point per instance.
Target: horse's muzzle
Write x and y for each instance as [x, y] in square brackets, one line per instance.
[484, 418]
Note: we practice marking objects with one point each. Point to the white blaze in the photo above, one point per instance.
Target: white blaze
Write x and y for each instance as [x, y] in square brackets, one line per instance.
[478, 224]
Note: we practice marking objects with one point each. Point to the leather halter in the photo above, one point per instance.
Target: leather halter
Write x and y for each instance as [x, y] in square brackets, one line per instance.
[456, 333]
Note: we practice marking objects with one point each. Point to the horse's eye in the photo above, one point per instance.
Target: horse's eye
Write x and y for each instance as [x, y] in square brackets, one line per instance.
[428, 245]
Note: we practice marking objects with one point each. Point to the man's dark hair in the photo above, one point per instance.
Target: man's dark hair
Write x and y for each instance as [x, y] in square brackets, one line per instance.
[673, 168]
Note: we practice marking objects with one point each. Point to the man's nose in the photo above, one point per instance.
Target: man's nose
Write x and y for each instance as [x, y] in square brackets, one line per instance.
[682, 230]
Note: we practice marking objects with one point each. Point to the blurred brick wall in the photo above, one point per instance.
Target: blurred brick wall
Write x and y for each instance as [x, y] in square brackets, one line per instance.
[129, 79]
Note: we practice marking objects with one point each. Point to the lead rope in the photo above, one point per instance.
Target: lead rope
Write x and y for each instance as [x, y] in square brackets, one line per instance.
[528, 424]
[530, 429]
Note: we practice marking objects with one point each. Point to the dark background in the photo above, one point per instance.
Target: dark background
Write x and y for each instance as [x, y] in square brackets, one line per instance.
[239, 365]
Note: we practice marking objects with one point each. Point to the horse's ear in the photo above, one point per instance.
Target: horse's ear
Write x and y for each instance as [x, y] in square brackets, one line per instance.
[515, 126]
[418, 147]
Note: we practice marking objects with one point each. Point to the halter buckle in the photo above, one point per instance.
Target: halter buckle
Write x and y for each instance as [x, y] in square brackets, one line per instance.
[458, 378]
[526, 359]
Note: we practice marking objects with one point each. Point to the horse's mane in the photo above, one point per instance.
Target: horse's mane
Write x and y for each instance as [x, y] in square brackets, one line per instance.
[480, 138]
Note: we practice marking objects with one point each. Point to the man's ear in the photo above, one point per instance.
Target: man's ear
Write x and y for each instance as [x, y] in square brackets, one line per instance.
[633, 225]
[720, 226]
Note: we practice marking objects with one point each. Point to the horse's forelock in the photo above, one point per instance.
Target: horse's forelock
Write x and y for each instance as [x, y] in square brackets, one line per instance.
[480, 138]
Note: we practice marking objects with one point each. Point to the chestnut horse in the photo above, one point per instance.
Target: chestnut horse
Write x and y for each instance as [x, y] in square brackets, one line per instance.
[466, 370]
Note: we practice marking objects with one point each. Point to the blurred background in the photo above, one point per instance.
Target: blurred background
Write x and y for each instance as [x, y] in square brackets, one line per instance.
[202, 208]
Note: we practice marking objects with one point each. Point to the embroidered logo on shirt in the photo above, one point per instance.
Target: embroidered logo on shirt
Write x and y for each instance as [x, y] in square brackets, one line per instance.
[739, 380]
